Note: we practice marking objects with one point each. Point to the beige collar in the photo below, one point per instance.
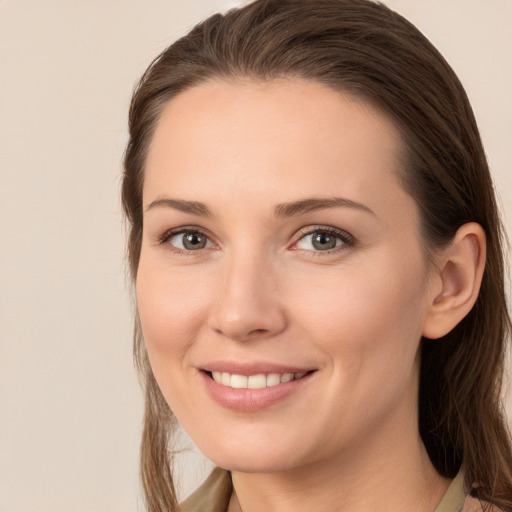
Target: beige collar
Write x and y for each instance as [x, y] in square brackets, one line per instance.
[454, 497]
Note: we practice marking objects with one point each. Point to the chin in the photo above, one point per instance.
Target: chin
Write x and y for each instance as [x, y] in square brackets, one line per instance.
[259, 464]
[263, 457]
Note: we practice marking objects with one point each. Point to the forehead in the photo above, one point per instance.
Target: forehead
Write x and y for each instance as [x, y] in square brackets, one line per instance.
[286, 137]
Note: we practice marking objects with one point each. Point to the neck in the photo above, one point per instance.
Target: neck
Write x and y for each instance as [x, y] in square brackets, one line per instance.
[389, 472]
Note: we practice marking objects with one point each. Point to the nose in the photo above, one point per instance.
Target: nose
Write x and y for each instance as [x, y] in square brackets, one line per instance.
[248, 306]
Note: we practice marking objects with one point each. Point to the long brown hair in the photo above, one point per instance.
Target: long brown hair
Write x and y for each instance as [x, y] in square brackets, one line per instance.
[366, 49]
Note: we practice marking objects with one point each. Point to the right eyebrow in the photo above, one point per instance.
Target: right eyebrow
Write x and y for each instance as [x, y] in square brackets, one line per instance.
[192, 207]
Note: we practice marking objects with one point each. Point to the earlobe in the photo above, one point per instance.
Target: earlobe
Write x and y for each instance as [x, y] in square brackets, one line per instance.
[460, 268]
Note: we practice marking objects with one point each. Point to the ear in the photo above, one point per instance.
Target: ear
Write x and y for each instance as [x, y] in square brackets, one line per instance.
[456, 281]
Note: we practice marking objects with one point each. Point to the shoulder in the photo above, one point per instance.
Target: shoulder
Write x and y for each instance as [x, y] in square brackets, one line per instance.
[213, 495]
[475, 505]
[457, 499]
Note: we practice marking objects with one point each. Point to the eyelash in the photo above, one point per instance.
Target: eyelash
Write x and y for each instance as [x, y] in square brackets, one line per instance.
[165, 237]
[346, 239]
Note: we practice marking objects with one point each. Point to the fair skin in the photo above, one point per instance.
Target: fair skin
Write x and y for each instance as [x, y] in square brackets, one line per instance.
[270, 275]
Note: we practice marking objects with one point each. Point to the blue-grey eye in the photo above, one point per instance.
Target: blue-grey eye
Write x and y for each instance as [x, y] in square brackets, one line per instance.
[190, 241]
[319, 241]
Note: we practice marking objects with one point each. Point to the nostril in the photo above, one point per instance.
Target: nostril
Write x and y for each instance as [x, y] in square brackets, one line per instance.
[257, 332]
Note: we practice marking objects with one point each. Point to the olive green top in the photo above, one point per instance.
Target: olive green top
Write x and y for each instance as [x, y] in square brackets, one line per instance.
[215, 493]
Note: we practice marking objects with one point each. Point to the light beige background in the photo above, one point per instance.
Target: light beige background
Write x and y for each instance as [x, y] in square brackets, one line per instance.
[70, 406]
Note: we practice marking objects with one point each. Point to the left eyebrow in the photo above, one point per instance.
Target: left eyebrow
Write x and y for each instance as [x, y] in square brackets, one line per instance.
[313, 204]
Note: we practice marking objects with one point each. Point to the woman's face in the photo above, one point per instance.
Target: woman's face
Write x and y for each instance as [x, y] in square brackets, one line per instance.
[282, 286]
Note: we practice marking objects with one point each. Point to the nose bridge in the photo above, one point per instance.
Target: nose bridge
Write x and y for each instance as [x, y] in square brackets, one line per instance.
[248, 301]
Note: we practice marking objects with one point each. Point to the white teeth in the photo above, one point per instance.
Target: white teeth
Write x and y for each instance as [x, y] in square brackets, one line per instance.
[226, 379]
[239, 381]
[273, 379]
[258, 381]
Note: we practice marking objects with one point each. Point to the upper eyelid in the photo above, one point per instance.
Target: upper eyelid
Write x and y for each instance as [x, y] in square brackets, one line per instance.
[164, 238]
[169, 233]
[328, 229]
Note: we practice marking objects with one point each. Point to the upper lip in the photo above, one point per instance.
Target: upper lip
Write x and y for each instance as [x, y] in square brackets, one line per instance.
[252, 368]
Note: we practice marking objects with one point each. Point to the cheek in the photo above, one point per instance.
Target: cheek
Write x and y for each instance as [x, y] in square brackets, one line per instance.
[171, 307]
[367, 323]
[361, 314]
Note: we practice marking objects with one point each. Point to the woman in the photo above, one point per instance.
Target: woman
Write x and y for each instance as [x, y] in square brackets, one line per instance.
[317, 256]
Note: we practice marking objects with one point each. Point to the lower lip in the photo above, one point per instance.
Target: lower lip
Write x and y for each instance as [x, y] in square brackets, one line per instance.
[250, 400]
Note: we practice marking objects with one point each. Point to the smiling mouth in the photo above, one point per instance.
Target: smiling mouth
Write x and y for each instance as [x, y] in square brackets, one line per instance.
[257, 381]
